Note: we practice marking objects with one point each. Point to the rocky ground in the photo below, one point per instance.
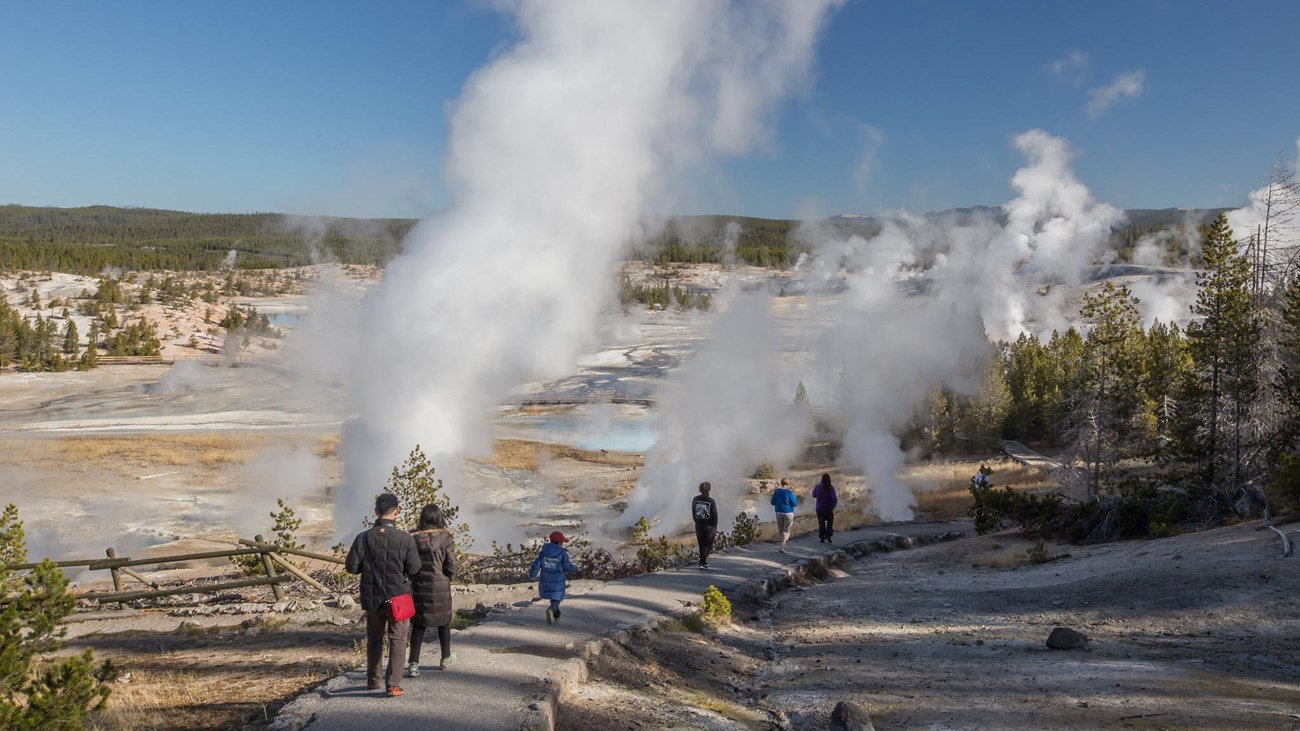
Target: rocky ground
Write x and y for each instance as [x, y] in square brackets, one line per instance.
[1192, 632]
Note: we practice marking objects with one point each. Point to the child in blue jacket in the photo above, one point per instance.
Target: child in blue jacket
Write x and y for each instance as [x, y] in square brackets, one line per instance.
[552, 563]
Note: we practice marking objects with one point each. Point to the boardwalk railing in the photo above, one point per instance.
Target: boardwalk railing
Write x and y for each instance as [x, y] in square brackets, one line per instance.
[272, 556]
[211, 358]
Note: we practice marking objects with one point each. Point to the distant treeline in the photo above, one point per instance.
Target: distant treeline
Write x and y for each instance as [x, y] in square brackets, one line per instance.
[98, 238]
[703, 240]
[91, 240]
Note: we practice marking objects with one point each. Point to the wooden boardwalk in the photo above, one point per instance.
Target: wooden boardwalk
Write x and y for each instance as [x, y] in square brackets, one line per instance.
[1026, 456]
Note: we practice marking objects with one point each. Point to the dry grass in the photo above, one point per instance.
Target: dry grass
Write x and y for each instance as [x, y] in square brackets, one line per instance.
[328, 446]
[942, 489]
[174, 450]
[165, 700]
[1006, 553]
[519, 454]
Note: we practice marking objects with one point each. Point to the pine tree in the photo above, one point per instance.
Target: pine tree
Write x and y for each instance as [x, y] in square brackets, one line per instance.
[1224, 345]
[36, 691]
[70, 339]
[1283, 485]
[1286, 387]
[1108, 412]
[414, 484]
[1167, 364]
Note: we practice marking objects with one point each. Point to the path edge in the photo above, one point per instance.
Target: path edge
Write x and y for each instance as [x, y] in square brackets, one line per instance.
[556, 686]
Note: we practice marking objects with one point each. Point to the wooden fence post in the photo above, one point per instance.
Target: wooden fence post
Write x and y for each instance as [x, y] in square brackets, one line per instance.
[117, 575]
[269, 567]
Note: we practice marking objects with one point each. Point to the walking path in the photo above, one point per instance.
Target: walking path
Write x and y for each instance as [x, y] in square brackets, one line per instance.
[1026, 456]
[512, 668]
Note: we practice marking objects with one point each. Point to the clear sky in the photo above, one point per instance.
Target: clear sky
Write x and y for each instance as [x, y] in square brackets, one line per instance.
[339, 107]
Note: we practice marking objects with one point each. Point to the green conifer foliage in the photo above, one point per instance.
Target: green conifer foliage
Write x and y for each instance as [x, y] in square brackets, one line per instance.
[38, 692]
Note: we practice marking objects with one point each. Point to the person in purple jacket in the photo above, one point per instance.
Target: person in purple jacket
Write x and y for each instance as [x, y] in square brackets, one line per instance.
[824, 493]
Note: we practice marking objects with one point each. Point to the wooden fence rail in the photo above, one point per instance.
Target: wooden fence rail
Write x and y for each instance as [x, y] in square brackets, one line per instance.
[270, 554]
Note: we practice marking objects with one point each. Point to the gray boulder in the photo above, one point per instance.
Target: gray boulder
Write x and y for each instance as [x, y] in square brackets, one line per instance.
[1064, 638]
[849, 716]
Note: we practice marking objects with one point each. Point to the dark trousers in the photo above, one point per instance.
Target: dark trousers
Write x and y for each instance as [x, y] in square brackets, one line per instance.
[377, 626]
[417, 639]
[825, 524]
[704, 535]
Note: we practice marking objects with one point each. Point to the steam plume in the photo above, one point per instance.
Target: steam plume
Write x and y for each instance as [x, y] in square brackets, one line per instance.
[885, 347]
[556, 148]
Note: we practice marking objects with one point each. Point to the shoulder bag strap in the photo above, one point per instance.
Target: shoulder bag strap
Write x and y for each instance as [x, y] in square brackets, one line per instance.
[378, 579]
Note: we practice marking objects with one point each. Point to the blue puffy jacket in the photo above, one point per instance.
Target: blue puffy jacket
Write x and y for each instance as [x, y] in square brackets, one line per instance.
[552, 563]
[783, 500]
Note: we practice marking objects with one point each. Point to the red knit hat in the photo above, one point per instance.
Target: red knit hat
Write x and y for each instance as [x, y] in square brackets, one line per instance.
[558, 537]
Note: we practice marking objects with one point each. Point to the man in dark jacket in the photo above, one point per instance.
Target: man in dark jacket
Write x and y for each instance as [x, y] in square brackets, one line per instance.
[386, 558]
[705, 512]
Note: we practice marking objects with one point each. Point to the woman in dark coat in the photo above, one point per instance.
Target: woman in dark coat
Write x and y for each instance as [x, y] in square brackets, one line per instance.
[431, 588]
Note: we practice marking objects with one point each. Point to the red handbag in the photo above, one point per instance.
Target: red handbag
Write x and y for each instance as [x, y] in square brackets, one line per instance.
[401, 608]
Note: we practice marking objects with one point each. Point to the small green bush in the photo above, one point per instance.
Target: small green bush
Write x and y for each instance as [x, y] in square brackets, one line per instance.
[1038, 552]
[765, 471]
[285, 528]
[716, 608]
[61, 692]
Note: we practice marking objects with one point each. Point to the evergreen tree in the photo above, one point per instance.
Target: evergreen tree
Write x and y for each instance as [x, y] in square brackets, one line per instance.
[37, 691]
[1224, 344]
[1167, 364]
[1286, 386]
[1108, 413]
[70, 338]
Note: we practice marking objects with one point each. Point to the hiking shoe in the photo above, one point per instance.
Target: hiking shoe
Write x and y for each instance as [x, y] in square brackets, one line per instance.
[447, 661]
[704, 566]
[372, 684]
[782, 549]
[394, 691]
[550, 616]
[413, 670]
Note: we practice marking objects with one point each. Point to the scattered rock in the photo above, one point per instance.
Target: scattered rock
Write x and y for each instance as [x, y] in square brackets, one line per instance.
[850, 717]
[524, 603]
[1064, 638]
[342, 601]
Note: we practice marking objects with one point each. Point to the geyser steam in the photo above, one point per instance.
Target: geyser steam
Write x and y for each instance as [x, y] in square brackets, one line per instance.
[556, 148]
[884, 349]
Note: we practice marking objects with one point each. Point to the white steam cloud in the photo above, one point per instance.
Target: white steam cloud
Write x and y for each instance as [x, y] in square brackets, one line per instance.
[1072, 68]
[889, 350]
[1128, 85]
[907, 309]
[556, 148]
[1281, 209]
[723, 413]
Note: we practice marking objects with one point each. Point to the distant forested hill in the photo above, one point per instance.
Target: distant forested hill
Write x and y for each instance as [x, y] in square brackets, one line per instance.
[90, 240]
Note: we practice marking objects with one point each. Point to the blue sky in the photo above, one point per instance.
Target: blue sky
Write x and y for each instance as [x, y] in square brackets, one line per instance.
[339, 108]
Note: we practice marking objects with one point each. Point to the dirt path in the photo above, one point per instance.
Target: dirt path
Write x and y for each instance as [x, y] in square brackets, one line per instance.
[1192, 632]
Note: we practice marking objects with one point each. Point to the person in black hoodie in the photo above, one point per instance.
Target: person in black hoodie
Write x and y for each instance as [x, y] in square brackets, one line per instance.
[386, 558]
[705, 512]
